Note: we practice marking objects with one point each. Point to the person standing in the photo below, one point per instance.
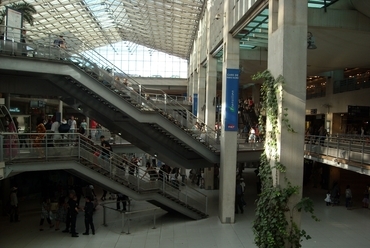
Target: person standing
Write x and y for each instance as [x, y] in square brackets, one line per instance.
[56, 135]
[72, 211]
[328, 199]
[14, 205]
[84, 126]
[106, 148]
[72, 128]
[45, 213]
[38, 141]
[121, 198]
[89, 210]
[348, 197]
[238, 198]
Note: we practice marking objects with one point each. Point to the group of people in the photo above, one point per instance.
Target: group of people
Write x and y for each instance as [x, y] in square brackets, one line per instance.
[313, 136]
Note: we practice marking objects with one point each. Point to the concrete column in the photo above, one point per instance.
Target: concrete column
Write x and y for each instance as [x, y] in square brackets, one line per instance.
[210, 101]
[334, 76]
[61, 109]
[190, 89]
[228, 138]
[88, 122]
[7, 100]
[211, 80]
[287, 56]
[201, 93]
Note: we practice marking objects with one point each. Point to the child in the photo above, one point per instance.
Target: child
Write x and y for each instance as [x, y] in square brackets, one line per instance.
[89, 210]
[328, 199]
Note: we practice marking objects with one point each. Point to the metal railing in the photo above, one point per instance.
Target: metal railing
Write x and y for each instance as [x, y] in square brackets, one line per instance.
[72, 146]
[41, 45]
[353, 149]
[127, 216]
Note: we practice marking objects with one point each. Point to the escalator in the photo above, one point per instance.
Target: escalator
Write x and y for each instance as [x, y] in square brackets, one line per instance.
[161, 128]
[112, 174]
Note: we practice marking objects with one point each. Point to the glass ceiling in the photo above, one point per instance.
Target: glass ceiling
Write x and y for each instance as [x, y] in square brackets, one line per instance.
[168, 26]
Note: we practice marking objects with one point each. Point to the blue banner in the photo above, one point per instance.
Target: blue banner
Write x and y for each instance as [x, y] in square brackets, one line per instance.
[195, 104]
[231, 101]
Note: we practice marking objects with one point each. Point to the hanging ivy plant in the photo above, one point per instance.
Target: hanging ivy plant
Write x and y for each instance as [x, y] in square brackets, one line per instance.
[274, 226]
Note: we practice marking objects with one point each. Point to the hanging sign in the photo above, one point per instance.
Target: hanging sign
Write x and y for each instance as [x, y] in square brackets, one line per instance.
[231, 101]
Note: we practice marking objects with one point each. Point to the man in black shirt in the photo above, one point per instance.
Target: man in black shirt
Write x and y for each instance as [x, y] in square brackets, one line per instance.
[106, 148]
[72, 211]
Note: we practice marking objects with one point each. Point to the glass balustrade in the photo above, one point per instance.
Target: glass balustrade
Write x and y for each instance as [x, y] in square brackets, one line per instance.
[51, 147]
[41, 45]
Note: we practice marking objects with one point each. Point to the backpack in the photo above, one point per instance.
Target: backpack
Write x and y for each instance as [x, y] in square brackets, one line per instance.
[64, 128]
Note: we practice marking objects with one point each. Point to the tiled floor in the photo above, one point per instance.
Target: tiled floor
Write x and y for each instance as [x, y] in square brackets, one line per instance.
[338, 228]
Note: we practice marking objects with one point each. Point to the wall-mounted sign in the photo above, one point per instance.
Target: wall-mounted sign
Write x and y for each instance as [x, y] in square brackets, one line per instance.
[195, 104]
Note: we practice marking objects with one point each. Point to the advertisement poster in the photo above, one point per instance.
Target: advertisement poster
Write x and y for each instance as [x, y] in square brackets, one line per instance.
[14, 25]
[195, 104]
[231, 101]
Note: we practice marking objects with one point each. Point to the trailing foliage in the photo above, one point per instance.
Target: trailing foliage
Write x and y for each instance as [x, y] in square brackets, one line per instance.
[28, 10]
[274, 226]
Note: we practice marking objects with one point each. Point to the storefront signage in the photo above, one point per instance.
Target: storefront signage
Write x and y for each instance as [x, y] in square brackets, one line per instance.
[14, 110]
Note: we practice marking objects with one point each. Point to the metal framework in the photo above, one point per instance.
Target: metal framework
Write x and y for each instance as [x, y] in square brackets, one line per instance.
[169, 26]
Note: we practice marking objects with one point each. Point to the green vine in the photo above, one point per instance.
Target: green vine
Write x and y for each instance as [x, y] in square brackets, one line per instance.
[274, 226]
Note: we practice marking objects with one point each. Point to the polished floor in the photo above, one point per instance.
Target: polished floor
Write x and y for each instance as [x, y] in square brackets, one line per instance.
[338, 227]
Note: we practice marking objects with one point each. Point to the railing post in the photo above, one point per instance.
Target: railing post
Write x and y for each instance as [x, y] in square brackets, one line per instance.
[46, 146]
[186, 195]
[165, 102]
[163, 183]
[337, 147]
[110, 167]
[128, 226]
[349, 150]
[79, 146]
[154, 220]
[123, 222]
[362, 151]
[140, 94]
[206, 204]
[138, 181]
[104, 216]
[1, 150]
[49, 45]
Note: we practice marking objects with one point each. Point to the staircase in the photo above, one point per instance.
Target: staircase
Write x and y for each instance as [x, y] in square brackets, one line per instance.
[111, 174]
[121, 104]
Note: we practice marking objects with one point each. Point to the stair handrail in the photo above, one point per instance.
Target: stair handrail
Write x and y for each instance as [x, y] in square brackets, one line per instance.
[119, 161]
[43, 46]
[76, 146]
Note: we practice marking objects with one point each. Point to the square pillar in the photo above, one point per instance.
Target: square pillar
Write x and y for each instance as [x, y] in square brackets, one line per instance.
[287, 56]
[201, 93]
[228, 156]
